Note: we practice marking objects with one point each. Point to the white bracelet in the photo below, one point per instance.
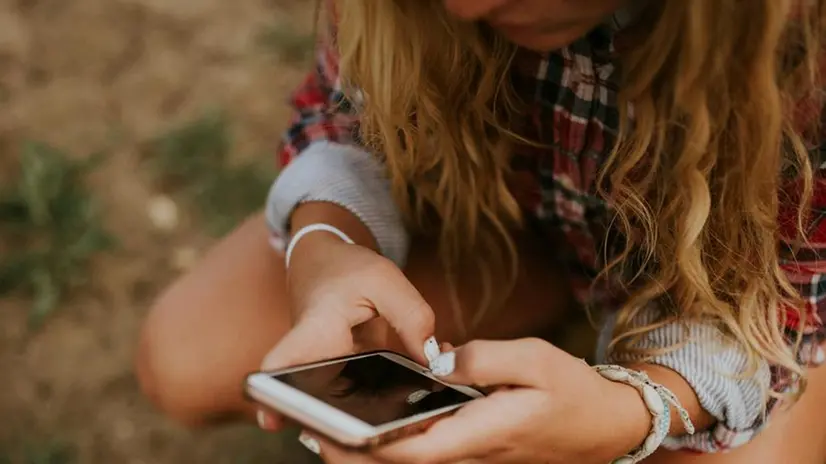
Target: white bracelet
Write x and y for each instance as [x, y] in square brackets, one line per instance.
[658, 400]
[304, 231]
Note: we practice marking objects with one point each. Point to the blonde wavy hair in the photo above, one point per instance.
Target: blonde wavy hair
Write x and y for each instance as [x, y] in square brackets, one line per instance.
[694, 178]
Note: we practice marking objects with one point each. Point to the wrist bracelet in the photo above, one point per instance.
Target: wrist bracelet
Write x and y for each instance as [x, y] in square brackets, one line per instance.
[658, 400]
[304, 231]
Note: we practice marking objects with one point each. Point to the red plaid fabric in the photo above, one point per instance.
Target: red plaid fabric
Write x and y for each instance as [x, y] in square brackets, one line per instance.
[573, 113]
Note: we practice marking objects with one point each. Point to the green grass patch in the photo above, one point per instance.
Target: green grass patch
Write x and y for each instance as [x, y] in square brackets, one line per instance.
[49, 453]
[193, 161]
[40, 452]
[50, 227]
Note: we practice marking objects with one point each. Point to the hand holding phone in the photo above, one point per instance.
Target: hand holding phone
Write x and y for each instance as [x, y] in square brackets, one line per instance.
[337, 291]
[361, 400]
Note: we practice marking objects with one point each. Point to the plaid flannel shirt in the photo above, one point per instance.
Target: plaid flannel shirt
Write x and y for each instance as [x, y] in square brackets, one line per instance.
[573, 113]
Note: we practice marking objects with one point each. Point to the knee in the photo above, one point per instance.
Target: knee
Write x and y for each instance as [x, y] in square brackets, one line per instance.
[164, 373]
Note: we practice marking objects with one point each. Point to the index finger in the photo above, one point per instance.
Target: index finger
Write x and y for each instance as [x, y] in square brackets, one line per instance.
[403, 307]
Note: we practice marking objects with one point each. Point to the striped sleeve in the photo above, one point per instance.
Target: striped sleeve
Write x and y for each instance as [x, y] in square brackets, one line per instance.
[322, 160]
[714, 366]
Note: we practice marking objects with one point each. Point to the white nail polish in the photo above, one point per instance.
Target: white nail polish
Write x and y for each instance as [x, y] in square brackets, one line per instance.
[431, 349]
[444, 364]
[310, 443]
[262, 418]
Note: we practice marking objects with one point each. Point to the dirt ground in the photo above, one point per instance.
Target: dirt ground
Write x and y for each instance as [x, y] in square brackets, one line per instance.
[86, 74]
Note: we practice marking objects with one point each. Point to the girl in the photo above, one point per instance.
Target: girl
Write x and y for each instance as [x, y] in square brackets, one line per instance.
[651, 163]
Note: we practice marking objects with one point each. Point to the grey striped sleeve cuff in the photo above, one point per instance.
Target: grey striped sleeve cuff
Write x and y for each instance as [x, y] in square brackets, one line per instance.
[347, 176]
[715, 368]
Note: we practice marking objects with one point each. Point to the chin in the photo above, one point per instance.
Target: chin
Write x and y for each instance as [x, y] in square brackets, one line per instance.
[545, 41]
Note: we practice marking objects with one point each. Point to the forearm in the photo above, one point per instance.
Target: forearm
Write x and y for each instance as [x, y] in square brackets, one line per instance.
[681, 388]
[632, 418]
[706, 372]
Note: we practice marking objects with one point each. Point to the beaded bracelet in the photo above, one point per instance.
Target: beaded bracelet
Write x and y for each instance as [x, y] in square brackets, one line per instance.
[658, 400]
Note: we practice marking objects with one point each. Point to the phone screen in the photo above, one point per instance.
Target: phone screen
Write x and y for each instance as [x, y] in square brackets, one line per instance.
[374, 389]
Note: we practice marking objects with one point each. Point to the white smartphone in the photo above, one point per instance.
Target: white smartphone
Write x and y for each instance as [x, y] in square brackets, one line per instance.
[362, 400]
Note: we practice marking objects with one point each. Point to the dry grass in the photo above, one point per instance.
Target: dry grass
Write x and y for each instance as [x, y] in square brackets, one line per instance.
[193, 161]
[136, 79]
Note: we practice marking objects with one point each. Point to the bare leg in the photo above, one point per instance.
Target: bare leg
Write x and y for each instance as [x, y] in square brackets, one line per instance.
[207, 330]
[214, 325]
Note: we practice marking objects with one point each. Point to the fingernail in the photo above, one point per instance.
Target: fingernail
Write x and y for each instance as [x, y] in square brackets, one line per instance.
[264, 420]
[431, 349]
[444, 364]
[310, 443]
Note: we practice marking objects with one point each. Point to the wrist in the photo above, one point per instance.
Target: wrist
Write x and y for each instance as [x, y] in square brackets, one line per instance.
[314, 244]
[627, 417]
[333, 215]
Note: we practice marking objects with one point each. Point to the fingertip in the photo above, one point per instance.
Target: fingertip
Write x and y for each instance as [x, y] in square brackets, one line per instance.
[270, 362]
[444, 365]
[431, 349]
[266, 421]
[310, 442]
[277, 357]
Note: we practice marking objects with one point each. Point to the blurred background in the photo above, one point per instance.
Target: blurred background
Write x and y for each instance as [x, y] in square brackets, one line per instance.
[133, 134]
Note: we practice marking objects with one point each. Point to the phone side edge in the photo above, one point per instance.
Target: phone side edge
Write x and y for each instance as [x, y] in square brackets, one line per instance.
[309, 411]
[412, 365]
[417, 418]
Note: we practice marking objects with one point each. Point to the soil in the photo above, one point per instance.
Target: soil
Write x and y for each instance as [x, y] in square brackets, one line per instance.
[87, 74]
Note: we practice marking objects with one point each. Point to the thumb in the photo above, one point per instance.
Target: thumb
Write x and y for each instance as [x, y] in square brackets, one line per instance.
[518, 363]
[315, 338]
[312, 339]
